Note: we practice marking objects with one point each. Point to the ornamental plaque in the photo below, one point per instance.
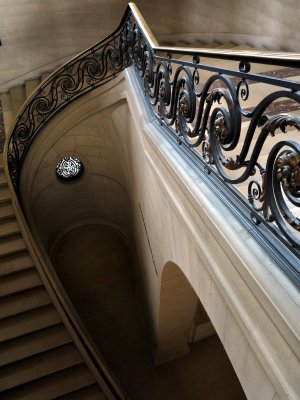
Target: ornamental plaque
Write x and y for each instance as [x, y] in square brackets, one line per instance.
[69, 169]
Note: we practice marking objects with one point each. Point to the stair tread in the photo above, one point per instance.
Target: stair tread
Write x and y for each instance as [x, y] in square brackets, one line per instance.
[18, 97]
[15, 262]
[31, 85]
[19, 281]
[49, 387]
[23, 301]
[33, 343]
[3, 181]
[11, 245]
[92, 392]
[45, 75]
[6, 211]
[5, 194]
[39, 366]
[9, 227]
[30, 321]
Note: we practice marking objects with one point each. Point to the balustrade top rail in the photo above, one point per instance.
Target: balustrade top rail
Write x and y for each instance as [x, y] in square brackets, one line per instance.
[272, 57]
[224, 114]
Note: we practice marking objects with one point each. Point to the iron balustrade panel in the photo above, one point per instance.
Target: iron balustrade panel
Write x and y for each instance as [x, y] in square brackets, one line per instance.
[91, 69]
[226, 108]
[240, 136]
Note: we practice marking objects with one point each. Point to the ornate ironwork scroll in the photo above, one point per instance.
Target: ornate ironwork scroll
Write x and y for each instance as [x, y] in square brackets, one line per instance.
[210, 109]
[207, 117]
[92, 68]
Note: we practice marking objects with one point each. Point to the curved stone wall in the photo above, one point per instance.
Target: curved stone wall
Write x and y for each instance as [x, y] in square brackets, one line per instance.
[98, 196]
[176, 218]
[39, 35]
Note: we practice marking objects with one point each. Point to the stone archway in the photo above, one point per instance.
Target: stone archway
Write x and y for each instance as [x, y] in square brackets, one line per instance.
[182, 317]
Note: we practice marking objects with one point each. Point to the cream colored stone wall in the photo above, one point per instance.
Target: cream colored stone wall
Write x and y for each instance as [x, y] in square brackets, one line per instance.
[100, 196]
[178, 306]
[254, 308]
[37, 36]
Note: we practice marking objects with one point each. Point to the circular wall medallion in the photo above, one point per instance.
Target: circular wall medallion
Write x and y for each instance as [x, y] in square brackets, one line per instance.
[69, 169]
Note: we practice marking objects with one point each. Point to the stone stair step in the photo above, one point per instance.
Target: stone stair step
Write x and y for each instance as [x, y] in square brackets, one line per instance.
[14, 263]
[30, 86]
[92, 392]
[33, 343]
[28, 322]
[23, 301]
[208, 45]
[8, 228]
[7, 111]
[19, 281]
[3, 179]
[6, 211]
[50, 387]
[3, 183]
[18, 97]
[5, 194]
[39, 366]
[11, 245]
[225, 46]
[45, 75]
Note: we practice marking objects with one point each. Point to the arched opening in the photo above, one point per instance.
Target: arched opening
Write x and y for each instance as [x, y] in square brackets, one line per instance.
[82, 225]
[186, 337]
[95, 266]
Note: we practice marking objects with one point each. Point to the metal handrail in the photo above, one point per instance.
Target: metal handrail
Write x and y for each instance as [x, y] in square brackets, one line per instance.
[70, 318]
[204, 118]
[287, 58]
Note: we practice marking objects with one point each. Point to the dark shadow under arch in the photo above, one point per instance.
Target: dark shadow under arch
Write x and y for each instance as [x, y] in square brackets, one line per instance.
[187, 336]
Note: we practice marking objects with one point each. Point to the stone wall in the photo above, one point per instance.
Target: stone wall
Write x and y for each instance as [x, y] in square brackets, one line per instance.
[37, 36]
[2, 132]
[176, 218]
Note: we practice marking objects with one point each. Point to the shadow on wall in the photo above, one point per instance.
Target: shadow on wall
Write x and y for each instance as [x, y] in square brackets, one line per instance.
[186, 330]
[2, 131]
[95, 266]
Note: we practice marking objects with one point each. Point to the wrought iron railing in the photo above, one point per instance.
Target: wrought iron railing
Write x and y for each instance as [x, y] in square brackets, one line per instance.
[230, 115]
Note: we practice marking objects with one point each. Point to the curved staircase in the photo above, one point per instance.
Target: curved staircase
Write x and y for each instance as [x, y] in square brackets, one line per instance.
[42, 355]
[13, 99]
[39, 357]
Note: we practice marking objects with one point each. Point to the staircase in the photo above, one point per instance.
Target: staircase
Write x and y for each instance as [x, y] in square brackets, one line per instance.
[38, 357]
[16, 96]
